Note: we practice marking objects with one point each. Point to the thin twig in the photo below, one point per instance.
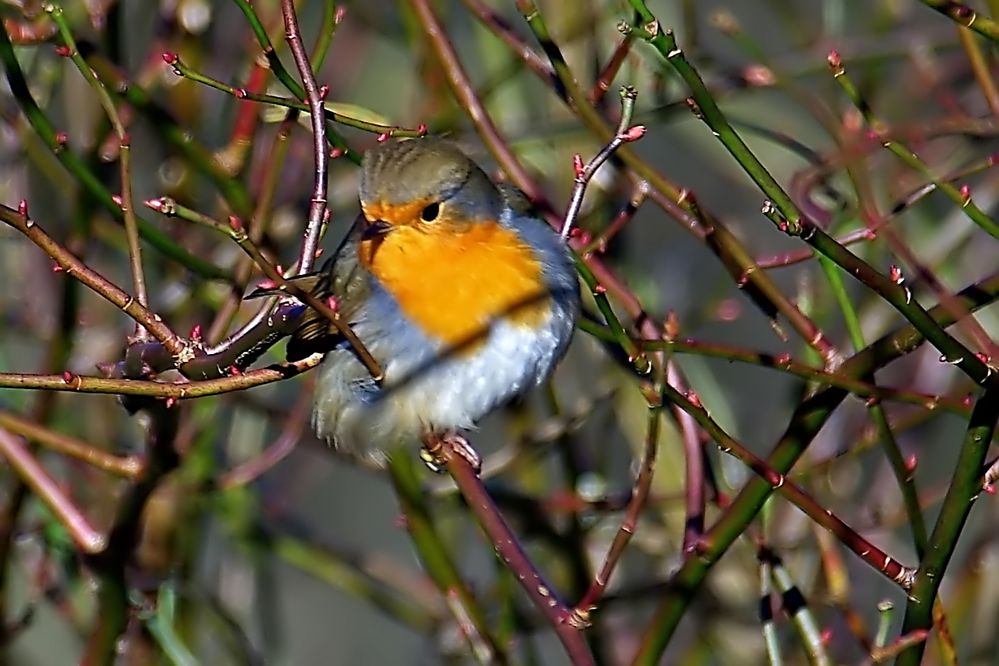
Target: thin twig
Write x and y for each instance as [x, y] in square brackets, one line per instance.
[488, 515]
[126, 467]
[51, 493]
[124, 161]
[317, 208]
[625, 133]
[179, 391]
[179, 349]
[643, 484]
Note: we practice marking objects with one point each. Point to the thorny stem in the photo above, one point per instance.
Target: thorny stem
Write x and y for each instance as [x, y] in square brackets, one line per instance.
[82, 174]
[807, 420]
[965, 487]
[785, 214]
[543, 595]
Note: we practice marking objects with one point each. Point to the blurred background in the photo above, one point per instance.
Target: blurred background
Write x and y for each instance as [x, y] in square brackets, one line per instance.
[303, 558]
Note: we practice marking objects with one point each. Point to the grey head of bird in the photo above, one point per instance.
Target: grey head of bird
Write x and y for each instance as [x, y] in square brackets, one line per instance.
[423, 182]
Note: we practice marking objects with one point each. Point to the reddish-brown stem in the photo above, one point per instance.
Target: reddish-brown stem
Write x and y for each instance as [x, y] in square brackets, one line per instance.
[179, 390]
[610, 70]
[317, 209]
[128, 466]
[290, 435]
[488, 515]
[51, 493]
[180, 349]
[879, 560]
[643, 483]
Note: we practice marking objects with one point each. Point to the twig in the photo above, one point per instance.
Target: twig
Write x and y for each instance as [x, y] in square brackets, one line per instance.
[438, 561]
[787, 217]
[292, 432]
[179, 349]
[128, 466]
[317, 209]
[237, 232]
[543, 595]
[804, 424]
[965, 486]
[625, 133]
[51, 493]
[966, 16]
[282, 74]
[580, 615]
[610, 70]
[183, 69]
[124, 160]
[179, 391]
[55, 142]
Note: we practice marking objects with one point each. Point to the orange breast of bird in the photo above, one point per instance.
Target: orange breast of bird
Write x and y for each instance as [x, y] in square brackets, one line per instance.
[452, 283]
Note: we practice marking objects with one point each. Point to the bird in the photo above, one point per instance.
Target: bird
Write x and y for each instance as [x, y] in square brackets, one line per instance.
[464, 296]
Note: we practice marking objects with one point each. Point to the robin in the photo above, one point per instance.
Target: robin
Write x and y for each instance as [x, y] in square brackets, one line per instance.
[461, 293]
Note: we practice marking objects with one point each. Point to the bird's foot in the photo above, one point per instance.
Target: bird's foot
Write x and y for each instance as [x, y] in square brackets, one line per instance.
[438, 449]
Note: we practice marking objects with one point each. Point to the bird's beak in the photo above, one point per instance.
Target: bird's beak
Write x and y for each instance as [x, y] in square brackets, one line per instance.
[375, 229]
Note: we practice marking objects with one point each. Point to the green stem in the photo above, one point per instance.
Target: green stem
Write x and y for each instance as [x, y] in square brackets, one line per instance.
[965, 487]
[436, 558]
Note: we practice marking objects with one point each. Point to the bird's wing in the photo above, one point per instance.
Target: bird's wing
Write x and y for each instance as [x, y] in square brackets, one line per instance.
[341, 277]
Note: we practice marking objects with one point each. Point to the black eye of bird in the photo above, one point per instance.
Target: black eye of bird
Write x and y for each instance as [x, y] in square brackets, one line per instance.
[431, 212]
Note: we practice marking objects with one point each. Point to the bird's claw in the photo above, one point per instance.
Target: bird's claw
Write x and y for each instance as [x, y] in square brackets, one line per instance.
[438, 448]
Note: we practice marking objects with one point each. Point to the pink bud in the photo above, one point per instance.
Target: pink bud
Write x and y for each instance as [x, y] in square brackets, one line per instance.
[577, 165]
[634, 133]
[170, 58]
[383, 137]
[22, 207]
[196, 333]
[336, 152]
[421, 129]
[834, 59]
[63, 51]
[68, 376]
[235, 223]
[235, 371]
